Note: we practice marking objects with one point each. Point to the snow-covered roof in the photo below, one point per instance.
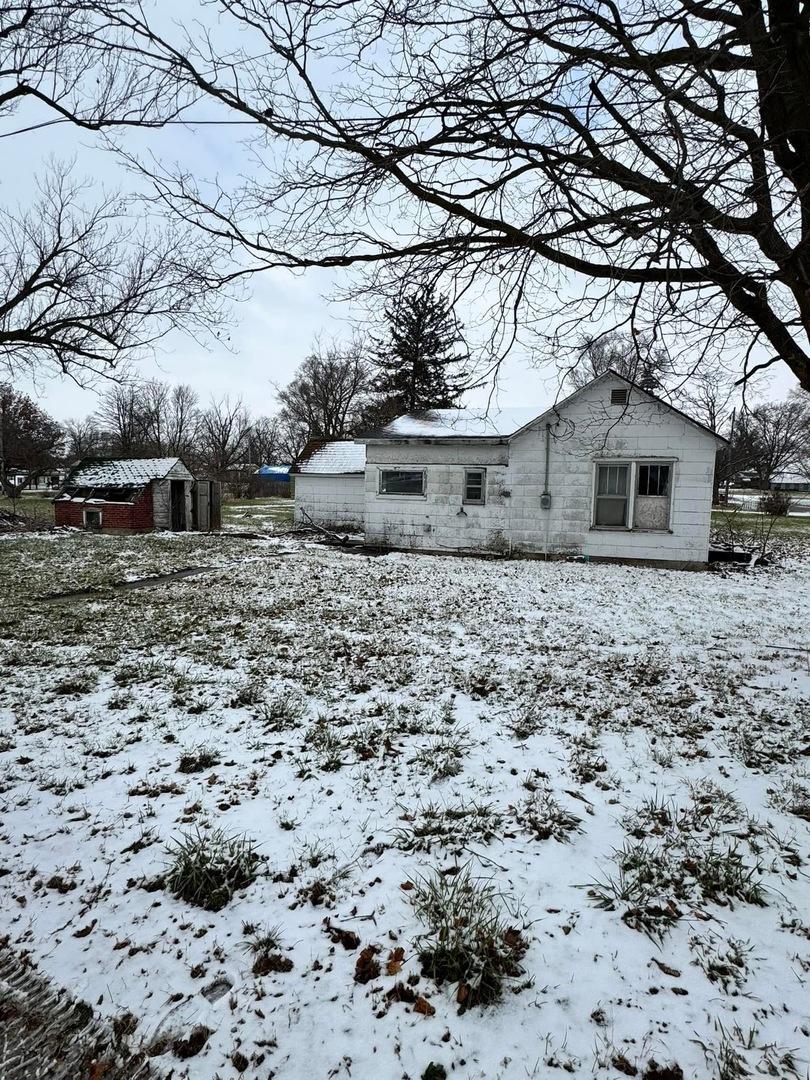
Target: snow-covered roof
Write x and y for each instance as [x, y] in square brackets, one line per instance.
[338, 457]
[501, 423]
[113, 472]
[461, 423]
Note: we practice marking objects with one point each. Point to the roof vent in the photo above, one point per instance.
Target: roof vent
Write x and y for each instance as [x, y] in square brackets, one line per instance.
[618, 395]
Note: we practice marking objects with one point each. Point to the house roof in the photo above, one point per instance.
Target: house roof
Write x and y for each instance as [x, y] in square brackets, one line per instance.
[493, 423]
[335, 457]
[460, 423]
[115, 472]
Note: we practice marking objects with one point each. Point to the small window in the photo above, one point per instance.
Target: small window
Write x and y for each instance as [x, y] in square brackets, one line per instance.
[475, 484]
[653, 480]
[618, 395]
[402, 482]
[611, 496]
[92, 519]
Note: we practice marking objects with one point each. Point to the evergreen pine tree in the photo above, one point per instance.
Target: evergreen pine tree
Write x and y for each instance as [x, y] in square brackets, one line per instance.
[421, 364]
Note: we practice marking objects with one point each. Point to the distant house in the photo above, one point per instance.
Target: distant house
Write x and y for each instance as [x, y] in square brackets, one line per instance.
[330, 484]
[611, 471]
[792, 481]
[137, 495]
[27, 482]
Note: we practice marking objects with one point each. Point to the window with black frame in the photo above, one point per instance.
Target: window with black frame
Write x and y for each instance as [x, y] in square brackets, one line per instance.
[402, 482]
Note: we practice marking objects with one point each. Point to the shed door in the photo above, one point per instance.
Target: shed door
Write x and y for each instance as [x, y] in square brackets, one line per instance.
[202, 505]
[178, 505]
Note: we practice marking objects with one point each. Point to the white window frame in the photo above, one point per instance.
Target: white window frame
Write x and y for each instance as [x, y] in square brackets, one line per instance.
[637, 463]
[633, 465]
[475, 502]
[400, 494]
[93, 511]
[604, 463]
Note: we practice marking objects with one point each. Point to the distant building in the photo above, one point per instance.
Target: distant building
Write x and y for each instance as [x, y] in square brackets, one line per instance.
[137, 495]
[792, 481]
[46, 482]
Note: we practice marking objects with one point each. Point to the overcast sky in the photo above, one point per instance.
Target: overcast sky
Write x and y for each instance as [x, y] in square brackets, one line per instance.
[271, 331]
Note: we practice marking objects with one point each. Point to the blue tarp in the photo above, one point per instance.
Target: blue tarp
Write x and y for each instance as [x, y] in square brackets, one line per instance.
[275, 472]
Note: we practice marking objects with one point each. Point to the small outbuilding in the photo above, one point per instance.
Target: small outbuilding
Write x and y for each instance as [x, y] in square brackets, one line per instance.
[137, 495]
[329, 481]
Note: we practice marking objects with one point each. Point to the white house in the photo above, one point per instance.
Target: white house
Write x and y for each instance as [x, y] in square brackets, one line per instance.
[609, 472]
[329, 481]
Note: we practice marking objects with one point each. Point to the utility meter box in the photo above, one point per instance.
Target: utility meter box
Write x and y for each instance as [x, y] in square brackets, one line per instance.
[545, 501]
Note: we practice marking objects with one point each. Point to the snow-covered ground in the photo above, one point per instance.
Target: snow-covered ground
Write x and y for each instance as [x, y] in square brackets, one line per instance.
[617, 756]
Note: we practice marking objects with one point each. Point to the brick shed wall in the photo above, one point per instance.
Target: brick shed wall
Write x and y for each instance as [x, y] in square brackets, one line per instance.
[115, 517]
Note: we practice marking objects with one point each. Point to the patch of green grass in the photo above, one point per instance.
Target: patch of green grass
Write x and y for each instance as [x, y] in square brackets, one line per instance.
[36, 507]
[253, 514]
[792, 525]
[208, 868]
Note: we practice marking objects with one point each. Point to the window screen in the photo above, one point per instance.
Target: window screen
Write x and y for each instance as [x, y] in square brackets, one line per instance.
[402, 482]
[474, 485]
[611, 495]
[618, 396]
[653, 480]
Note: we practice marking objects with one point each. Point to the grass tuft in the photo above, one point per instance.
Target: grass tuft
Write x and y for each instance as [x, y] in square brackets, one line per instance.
[207, 868]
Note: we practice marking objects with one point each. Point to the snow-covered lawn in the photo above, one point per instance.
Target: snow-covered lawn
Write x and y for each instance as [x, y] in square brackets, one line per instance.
[605, 767]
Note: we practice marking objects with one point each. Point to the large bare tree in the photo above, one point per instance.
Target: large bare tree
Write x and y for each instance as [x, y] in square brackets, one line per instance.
[645, 162]
[86, 280]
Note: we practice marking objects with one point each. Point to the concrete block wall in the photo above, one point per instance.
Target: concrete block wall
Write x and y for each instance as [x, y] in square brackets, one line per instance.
[590, 430]
[331, 501]
[438, 520]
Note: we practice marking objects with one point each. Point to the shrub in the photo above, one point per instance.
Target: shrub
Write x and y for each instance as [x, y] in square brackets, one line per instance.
[468, 939]
[208, 868]
[775, 503]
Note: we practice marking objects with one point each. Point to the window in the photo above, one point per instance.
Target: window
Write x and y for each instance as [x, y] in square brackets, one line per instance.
[652, 502]
[402, 482]
[611, 495]
[653, 480]
[92, 519]
[618, 395]
[475, 485]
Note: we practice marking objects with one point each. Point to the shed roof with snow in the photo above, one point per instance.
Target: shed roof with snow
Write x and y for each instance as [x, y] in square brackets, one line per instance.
[119, 472]
[335, 457]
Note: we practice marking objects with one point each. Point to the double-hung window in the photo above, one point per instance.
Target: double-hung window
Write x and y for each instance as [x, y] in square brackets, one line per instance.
[612, 496]
[402, 482]
[475, 486]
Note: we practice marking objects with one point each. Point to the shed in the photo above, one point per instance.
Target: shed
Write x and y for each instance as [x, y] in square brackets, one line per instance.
[610, 471]
[330, 484]
[136, 495]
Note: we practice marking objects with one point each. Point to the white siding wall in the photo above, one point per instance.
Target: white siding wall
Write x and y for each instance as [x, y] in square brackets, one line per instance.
[590, 430]
[438, 520]
[332, 501]
[593, 430]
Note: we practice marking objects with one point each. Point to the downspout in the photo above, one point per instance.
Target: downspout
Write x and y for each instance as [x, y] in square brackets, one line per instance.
[545, 498]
